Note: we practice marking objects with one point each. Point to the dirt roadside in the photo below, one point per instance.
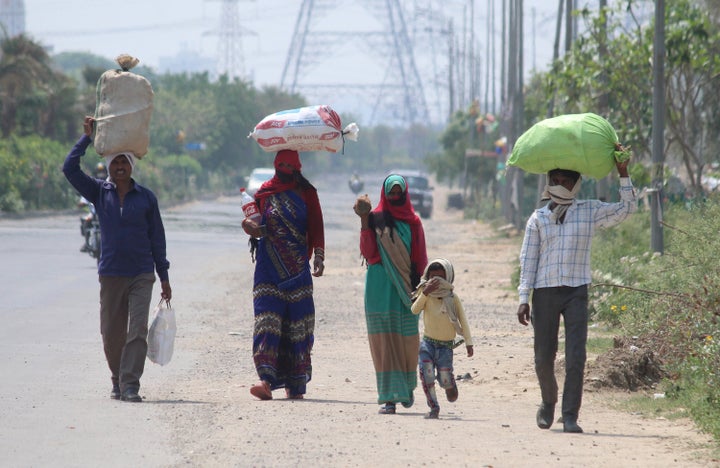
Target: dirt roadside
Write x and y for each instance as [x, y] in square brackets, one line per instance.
[216, 422]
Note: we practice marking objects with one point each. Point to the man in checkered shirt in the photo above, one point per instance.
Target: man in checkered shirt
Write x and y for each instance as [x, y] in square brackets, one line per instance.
[555, 265]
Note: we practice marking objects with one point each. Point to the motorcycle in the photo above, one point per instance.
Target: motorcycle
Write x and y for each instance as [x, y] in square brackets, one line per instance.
[90, 230]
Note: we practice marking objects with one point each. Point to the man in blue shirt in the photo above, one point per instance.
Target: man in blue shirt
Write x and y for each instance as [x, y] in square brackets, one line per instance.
[555, 265]
[132, 250]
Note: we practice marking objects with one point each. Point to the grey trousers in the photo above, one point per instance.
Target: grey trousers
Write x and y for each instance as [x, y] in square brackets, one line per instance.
[548, 304]
[124, 312]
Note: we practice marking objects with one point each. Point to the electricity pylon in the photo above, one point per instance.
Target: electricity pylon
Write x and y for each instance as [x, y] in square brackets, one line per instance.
[396, 93]
[230, 60]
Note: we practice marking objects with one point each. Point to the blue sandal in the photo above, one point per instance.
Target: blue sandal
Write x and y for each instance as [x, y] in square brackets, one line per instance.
[388, 408]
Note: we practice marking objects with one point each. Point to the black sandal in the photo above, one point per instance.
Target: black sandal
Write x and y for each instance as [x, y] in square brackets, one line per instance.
[388, 408]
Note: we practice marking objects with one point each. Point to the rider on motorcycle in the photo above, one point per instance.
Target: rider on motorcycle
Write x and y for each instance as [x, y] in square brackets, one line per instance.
[87, 219]
[355, 183]
[101, 171]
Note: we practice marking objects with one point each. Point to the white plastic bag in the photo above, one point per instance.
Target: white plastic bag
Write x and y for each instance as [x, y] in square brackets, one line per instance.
[161, 336]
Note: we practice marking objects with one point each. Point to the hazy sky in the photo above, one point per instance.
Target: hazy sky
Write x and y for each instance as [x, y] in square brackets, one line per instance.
[152, 29]
[155, 29]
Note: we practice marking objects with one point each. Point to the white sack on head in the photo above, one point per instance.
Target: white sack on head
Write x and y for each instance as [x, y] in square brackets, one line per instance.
[124, 105]
[313, 128]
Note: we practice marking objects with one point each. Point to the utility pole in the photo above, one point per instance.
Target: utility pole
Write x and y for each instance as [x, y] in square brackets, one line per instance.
[451, 65]
[503, 57]
[541, 180]
[519, 107]
[658, 129]
[488, 27]
[494, 54]
[471, 54]
[462, 62]
[534, 38]
[569, 33]
[602, 188]
[508, 111]
[512, 193]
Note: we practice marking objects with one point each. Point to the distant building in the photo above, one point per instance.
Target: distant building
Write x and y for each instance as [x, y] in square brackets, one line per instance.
[12, 18]
[186, 61]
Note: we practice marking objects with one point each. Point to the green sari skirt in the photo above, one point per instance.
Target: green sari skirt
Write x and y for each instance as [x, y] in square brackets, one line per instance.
[393, 336]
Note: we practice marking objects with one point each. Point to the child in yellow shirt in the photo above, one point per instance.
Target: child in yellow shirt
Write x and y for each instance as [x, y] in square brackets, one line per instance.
[444, 318]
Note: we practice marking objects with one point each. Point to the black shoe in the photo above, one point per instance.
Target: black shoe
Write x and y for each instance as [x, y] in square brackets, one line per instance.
[545, 415]
[570, 425]
[433, 414]
[115, 394]
[131, 395]
[451, 393]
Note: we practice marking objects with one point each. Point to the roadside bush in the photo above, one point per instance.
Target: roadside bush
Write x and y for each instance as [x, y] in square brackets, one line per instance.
[172, 178]
[11, 202]
[673, 299]
[31, 175]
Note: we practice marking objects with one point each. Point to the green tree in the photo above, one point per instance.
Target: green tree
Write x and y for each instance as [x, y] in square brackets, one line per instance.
[34, 97]
[24, 73]
[692, 67]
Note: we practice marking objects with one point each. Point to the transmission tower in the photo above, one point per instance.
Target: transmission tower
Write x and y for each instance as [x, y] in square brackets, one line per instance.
[396, 94]
[230, 58]
[431, 32]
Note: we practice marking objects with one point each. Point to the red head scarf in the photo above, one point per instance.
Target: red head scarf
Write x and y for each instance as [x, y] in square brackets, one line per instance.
[316, 232]
[288, 157]
[275, 185]
[406, 213]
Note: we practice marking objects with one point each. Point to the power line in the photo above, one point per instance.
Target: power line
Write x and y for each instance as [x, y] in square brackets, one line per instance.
[123, 30]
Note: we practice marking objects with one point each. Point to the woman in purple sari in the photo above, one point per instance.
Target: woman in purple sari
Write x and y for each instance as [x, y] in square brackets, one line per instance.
[291, 231]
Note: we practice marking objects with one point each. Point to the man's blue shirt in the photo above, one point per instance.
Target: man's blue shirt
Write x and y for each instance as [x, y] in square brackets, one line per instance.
[132, 241]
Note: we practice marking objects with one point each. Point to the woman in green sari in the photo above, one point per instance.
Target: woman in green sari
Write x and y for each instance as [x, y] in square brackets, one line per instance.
[392, 241]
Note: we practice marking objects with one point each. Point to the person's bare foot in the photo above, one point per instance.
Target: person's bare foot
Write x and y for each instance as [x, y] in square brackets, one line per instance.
[261, 390]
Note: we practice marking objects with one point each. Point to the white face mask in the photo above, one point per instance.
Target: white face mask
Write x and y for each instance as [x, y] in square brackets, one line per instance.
[560, 195]
[562, 198]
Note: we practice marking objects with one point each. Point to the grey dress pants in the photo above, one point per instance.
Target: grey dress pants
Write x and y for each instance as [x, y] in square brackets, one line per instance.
[548, 304]
[124, 312]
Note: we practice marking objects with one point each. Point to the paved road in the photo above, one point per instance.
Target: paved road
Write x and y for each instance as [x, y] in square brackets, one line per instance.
[54, 400]
[55, 410]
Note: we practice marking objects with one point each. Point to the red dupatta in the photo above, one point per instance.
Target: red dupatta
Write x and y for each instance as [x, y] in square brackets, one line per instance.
[406, 213]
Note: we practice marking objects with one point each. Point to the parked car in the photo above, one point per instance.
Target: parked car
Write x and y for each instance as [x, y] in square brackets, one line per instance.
[419, 190]
[257, 177]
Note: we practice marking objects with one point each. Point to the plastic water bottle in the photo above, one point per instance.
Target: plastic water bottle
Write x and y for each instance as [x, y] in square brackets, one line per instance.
[249, 207]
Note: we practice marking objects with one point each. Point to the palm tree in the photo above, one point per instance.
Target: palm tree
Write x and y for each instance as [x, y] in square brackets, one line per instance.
[28, 87]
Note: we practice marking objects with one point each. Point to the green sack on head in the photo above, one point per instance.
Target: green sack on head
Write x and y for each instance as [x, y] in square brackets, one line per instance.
[585, 143]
